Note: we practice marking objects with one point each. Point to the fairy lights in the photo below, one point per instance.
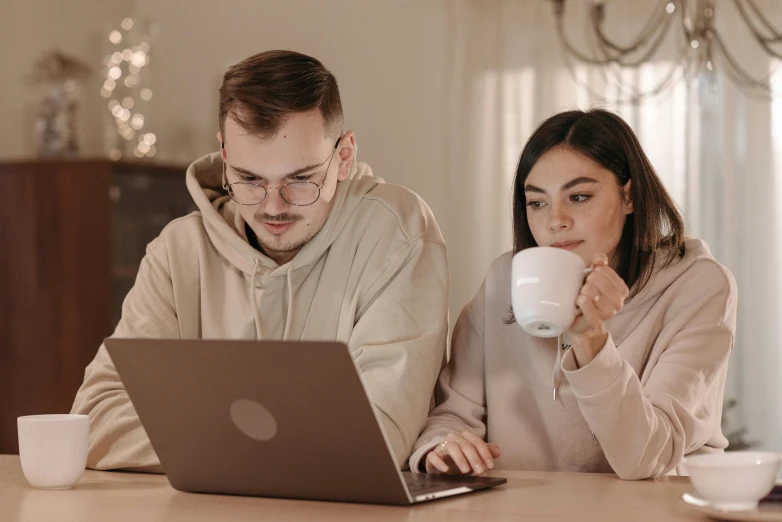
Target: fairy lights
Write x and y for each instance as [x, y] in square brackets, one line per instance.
[125, 66]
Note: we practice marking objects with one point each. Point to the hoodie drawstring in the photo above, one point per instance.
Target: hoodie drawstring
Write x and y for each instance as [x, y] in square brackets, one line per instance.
[256, 316]
[556, 377]
[289, 313]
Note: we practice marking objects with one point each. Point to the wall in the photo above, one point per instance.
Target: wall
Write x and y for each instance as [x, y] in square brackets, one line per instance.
[387, 56]
[28, 29]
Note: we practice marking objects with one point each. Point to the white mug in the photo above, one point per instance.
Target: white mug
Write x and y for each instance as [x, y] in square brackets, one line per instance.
[53, 449]
[545, 282]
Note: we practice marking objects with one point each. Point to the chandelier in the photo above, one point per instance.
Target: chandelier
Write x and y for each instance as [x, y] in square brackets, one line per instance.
[700, 48]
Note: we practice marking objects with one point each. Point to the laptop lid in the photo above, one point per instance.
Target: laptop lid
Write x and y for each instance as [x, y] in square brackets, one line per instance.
[280, 419]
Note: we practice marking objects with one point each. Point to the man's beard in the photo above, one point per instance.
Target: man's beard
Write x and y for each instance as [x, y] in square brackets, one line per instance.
[278, 245]
[281, 246]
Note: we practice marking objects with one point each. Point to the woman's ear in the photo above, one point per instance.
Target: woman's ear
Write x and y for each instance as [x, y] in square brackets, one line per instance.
[628, 197]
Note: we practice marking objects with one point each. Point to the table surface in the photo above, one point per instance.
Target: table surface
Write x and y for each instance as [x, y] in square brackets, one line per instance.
[119, 497]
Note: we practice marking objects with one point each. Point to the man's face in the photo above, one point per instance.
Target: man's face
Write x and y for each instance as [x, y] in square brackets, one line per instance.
[300, 151]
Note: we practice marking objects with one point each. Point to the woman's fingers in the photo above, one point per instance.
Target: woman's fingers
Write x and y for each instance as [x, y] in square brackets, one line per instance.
[590, 315]
[481, 448]
[453, 450]
[495, 450]
[435, 462]
[471, 454]
[465, 453]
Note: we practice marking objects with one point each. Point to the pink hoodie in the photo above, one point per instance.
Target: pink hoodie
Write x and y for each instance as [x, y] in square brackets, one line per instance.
[651, 396]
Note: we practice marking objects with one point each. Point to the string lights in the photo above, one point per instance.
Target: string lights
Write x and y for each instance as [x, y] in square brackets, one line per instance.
[125, 69]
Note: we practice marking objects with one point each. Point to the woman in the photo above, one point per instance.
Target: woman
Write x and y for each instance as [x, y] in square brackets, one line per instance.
[639, 378]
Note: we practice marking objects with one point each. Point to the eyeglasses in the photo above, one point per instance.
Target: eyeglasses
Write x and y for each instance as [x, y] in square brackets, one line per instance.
[298, 193]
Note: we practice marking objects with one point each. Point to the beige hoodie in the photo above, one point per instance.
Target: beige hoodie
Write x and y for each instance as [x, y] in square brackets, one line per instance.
[374, 277]
[652, 395]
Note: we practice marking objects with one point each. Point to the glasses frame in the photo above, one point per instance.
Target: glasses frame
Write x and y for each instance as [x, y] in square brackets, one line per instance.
[228, 187]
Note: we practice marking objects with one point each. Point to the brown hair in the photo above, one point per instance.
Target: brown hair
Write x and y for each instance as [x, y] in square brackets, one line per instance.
[262, 91]
[606, 139]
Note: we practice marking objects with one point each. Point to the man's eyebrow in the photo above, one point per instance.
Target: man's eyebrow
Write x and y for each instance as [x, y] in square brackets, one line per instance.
[296, 172]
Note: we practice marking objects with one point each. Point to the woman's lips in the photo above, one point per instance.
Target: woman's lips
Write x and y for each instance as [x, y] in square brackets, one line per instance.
[567, 245]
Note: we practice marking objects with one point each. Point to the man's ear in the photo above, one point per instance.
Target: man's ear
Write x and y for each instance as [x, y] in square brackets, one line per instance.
[222, 144]
[346, 151]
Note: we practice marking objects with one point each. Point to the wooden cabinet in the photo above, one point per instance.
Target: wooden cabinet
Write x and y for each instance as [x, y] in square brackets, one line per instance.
[72, 234]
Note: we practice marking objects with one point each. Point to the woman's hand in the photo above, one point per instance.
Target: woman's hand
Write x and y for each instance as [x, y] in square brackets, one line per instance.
[601, 297]
[462, 454]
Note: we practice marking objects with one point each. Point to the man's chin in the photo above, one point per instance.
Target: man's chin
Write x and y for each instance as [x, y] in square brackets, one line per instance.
[279, 245]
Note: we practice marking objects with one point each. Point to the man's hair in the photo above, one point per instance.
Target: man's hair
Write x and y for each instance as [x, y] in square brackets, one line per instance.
[261, 92]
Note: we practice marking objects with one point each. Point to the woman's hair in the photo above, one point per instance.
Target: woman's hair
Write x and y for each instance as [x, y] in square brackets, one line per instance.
[606, 139]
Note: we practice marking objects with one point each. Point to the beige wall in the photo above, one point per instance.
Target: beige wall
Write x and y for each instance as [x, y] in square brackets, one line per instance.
[388, 57]
[29, 28]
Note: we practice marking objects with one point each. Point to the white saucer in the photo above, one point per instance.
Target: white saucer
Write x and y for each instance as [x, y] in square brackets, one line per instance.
[766, 511]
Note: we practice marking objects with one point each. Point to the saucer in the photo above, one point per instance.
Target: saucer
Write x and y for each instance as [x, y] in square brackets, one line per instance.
[767, 510]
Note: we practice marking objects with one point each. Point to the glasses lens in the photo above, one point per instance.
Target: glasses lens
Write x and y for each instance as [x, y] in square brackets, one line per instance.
[247, 193]
[304, 193]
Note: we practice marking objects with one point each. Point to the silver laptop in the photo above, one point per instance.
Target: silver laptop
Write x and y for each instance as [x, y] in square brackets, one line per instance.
[263, 418]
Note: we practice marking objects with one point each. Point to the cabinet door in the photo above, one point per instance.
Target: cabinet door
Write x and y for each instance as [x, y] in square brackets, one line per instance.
[144, 201]
[54, 284]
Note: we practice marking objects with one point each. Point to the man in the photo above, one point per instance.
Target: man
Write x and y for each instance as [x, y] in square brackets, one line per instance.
[293, 240]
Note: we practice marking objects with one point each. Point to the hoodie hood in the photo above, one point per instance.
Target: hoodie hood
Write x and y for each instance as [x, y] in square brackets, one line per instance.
[226, 227]
[663, 276]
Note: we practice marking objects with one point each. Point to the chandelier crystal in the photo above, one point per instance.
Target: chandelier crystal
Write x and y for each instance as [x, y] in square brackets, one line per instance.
[700, 48]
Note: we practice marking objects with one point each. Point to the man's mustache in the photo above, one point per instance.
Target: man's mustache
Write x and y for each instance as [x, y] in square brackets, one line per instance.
[279, 218]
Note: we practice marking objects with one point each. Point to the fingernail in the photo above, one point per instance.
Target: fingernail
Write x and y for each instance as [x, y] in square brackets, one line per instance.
[465, 469]
[479, 469]
[491, 465]
[443, 468]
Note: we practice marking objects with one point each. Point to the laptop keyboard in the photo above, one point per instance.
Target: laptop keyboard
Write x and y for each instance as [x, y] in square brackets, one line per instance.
[421, 483]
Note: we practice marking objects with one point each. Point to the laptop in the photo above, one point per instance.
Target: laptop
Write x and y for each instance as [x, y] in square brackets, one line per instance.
[288, 419]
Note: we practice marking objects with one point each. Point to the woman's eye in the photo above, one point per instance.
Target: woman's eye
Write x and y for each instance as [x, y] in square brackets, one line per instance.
[535, 204]
[580, 198]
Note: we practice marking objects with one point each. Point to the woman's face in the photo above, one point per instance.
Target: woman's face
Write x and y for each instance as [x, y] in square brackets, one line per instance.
[576, 204]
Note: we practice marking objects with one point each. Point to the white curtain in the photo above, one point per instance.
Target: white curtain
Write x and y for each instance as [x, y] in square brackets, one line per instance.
[718, 152]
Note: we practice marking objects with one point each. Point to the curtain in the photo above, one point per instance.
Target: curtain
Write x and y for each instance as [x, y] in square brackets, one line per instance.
[718, 152]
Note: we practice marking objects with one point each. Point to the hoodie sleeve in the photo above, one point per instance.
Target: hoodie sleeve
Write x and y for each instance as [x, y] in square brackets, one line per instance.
[400, 336]
[117, 439]
[646, 428]
[461, 395]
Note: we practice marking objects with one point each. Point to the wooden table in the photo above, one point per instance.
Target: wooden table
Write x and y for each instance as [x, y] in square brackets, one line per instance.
[119, 497]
